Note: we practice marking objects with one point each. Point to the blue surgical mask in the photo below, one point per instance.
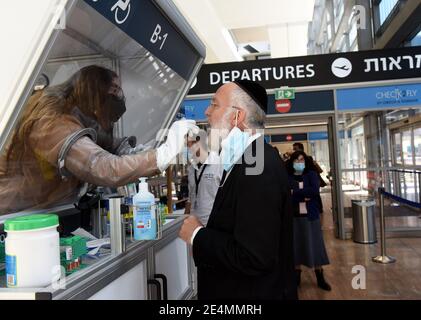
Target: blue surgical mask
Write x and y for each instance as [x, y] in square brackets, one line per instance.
[233, 146]
[299, 167]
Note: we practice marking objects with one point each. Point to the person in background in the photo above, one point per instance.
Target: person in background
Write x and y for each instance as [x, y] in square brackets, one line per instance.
[204, 175]
[315, 166]
[246, 249]
[309, 247]
[64, 141]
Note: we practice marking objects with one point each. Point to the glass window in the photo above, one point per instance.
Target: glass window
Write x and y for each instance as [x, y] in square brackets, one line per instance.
[398, 148]
[417, 146]
[344, 44]
[329, 32]
[407, 147]
[100, 80]
[353, 32]
[385, 8]
[416, 41]
[338, 12]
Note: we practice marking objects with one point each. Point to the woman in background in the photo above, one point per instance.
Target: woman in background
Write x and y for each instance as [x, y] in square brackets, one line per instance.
[309, 247]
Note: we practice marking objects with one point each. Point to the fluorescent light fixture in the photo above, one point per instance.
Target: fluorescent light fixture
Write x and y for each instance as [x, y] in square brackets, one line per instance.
[297, 125]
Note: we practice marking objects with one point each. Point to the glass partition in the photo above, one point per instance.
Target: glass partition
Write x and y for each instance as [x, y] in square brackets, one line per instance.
[119, 71]
[380, 149]
[417, 145]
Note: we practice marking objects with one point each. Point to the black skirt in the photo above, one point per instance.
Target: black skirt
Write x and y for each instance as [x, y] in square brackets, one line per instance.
[309, 246]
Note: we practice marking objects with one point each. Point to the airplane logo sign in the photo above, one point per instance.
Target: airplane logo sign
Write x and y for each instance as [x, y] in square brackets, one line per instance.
[342, 67]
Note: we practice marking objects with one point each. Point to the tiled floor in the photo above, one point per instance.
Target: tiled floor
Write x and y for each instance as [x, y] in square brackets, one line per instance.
[400, 280]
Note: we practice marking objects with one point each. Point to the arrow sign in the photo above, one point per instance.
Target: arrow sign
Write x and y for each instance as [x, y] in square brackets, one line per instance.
[285, 94]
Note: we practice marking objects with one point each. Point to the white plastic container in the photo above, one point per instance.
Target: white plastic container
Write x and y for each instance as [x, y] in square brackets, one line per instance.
[32, 251]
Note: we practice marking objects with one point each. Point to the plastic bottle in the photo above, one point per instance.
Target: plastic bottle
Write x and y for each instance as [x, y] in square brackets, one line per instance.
[144, 213]
[32, 250]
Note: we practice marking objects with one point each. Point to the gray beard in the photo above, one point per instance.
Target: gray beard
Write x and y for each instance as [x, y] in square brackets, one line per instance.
[216, 136]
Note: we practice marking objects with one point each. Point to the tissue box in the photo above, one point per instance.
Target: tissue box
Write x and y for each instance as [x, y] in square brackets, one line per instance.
[71, 251]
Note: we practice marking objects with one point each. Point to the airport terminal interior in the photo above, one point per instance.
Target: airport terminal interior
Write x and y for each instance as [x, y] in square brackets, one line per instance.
[343, 79]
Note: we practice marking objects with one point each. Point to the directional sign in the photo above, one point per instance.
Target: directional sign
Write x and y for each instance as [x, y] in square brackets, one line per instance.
[285, 94]
[283, 106]
[158, 35]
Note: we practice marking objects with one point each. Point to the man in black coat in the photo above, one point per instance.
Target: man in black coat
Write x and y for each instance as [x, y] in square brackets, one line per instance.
[245, 251]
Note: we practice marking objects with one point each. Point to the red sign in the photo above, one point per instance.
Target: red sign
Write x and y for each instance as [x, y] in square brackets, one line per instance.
[289, 138]
[283, 106]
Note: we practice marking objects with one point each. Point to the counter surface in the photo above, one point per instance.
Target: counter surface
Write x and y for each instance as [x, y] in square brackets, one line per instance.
[98, 272]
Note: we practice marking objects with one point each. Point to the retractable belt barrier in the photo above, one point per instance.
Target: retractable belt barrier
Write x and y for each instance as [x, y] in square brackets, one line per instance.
[383, 257]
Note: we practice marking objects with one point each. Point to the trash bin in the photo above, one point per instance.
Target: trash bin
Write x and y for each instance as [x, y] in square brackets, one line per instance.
[364, 221]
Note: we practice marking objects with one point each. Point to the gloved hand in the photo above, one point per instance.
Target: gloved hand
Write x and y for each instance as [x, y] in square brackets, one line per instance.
[175, 142]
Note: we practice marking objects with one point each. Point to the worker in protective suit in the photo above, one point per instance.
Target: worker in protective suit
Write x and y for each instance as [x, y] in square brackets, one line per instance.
[64, 141]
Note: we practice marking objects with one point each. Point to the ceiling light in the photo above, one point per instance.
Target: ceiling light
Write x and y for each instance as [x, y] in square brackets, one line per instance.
[251, 49]
[297, 125]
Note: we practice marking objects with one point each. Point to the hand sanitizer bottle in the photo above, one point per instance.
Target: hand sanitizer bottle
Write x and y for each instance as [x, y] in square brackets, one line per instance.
[144, 214]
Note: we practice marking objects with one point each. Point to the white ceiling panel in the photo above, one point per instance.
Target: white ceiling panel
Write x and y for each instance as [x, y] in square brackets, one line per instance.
[224, 25]
[254, 13]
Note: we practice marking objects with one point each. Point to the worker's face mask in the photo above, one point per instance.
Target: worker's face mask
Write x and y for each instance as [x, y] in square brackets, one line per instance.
[233, 146]
[299, 167]
[116, 107]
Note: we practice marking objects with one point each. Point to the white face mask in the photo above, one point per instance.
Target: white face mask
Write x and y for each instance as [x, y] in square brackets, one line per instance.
[233, 146]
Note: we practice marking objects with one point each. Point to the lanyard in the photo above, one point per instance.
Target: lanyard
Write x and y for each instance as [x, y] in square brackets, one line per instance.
[224, 177]
[196, 179]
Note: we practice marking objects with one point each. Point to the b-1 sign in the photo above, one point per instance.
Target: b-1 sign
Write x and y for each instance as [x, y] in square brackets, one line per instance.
[285, 94]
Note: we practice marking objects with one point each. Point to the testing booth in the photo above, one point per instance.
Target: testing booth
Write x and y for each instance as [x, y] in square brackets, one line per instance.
[156, 56]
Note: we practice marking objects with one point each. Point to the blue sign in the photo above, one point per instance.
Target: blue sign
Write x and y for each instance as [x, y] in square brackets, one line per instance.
[143, 21]
[342, 134]
[379, 97]
[195, 109]
[314, 136]
[289, 137]
[317, 101]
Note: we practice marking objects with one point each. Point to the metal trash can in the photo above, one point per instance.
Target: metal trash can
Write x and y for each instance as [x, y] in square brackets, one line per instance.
[364, 221]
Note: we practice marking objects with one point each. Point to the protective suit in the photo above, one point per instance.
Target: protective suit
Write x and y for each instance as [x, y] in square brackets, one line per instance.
[63, 156]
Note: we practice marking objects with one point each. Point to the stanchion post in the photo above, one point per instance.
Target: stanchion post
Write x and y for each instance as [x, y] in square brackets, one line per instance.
[169, 190]
[419, 186]
[383, 258]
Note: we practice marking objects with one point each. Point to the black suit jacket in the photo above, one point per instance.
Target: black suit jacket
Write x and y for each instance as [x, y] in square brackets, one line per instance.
[245, 251]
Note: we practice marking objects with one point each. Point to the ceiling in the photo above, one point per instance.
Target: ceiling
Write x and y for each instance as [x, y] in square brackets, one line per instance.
[278, 28]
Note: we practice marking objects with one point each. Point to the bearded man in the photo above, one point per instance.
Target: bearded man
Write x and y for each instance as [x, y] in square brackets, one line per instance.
[246, 249]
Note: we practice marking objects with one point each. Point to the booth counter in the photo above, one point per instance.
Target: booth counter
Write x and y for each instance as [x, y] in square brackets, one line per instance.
[147, 270]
